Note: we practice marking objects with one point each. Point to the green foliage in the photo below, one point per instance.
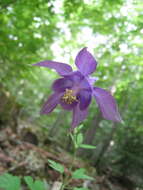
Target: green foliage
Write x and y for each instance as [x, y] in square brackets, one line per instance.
[58, 167]
[78, 128]
[24, 34]
[34, 185]
[77, 138]
[80, 174]
[87, 146]
[9, 182]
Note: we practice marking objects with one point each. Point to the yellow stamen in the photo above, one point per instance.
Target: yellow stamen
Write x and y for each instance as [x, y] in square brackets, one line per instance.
[69, 97]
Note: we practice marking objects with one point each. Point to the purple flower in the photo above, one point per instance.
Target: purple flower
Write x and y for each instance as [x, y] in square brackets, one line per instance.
[74, 90]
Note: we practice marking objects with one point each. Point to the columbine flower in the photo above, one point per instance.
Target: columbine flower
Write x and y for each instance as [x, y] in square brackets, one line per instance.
[74, 90]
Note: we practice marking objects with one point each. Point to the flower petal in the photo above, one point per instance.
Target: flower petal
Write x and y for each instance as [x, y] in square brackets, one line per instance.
[68, 106]
[76, 77]
[85, 62]
[79, 81]
[107, 104]
[84, 84]
[51, 103]
[61, 68]
[61, 84]
[84, 97]
[91, 80]
[78, 116]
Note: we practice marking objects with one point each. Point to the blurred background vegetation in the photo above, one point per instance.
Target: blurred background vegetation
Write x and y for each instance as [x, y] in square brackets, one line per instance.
[36, 30]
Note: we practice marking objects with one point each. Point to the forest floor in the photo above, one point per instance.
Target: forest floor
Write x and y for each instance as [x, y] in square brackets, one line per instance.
[22, 154]
[25, 152]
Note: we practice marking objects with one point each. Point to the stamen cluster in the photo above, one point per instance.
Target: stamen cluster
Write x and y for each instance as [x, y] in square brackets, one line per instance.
[69, 97]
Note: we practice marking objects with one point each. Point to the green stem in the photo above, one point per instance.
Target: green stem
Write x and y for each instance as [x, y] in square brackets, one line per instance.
[68, 178]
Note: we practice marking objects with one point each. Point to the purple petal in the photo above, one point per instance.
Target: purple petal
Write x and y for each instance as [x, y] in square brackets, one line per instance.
[84, 84]
[85, 62]
[107, 104]
[76, 77]
[91, 80]
[61, 68]
[79, 81]
[61, 84]
[51, 103]
[78, 116]
[84, 97]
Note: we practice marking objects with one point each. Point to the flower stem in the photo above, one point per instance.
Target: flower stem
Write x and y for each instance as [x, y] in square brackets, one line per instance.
[68, 178]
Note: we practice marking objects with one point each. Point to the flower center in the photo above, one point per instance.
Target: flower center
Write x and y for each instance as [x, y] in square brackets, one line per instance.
[69, 97]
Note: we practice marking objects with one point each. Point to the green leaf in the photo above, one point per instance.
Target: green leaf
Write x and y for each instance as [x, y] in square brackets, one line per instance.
[58, 167]
[39, 185]
[34, 185]
[9, 182]
[87, 146]
[79, 139]
[29, 181]
[80, 188]
[78, 129]
[80, 174]
[77, 136]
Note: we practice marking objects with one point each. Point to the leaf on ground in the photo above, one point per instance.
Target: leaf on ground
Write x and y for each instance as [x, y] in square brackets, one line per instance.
[34, 185]
[9, 182]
